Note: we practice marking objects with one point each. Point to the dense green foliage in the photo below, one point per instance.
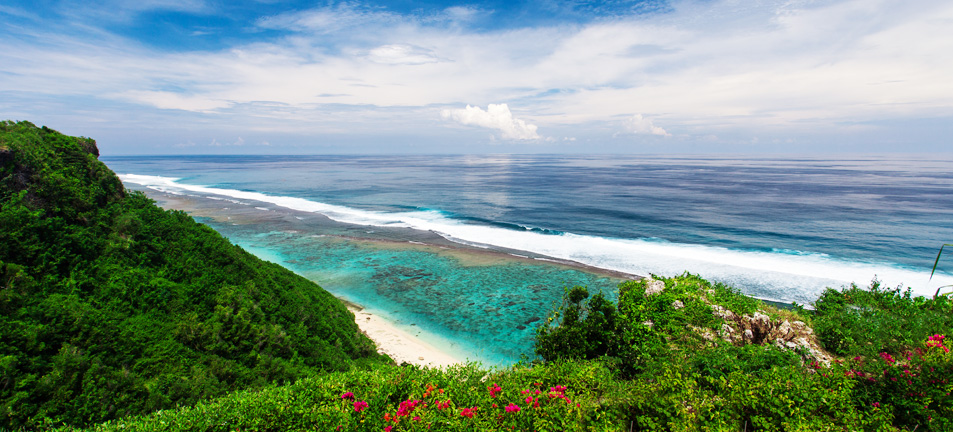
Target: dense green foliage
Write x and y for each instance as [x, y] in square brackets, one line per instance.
[642, 328]
[866, 321]
[894, 369]
[110, 306]
[695, 385]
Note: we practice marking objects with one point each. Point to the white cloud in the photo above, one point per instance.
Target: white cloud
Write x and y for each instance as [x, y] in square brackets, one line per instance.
[713, 67]
[169, 100]
[396, 54]
[496, 116]
[216, 143]
[343, 17]
[640, 125]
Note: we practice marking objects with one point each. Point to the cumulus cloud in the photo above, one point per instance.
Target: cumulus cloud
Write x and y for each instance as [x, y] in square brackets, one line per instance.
[238, 143]
[641, 125]
[496, 116]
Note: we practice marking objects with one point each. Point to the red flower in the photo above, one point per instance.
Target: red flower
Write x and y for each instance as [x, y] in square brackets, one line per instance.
[348, 395]
[359, 406]
[512, 408]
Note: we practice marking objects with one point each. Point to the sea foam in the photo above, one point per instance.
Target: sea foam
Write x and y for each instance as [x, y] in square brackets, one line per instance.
[781, 275]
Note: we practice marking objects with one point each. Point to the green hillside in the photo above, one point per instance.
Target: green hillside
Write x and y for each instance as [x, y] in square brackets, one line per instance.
[111, 306]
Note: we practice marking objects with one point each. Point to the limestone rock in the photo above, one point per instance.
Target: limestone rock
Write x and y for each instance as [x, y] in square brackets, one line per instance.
[653, 287]
[723, 313]
[759, 328]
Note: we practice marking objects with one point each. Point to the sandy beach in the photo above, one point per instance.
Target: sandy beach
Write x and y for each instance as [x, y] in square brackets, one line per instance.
[400, 345]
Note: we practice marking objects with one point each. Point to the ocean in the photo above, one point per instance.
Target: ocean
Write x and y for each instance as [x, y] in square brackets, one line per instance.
[473, 252]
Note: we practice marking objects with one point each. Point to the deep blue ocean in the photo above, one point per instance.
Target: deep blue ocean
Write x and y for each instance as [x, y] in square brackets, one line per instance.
[779, 228]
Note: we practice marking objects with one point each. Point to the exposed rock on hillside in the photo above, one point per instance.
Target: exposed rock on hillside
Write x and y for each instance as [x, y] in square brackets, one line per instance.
[757, 328]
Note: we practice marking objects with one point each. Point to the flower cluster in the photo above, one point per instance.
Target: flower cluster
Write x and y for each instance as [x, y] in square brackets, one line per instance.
[506, 410]
[559, 392]
[359, 405]
[430, 389]
[406, 407]
[887, 358]
[936, 341]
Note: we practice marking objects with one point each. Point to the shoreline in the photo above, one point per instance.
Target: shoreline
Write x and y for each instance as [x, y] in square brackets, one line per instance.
[399, 345]
[402, 343]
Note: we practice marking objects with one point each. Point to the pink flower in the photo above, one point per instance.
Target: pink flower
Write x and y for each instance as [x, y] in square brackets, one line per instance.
[937, 341]
[468, 412]
[348, 395]
[529, 400]
[359, 406]
[416, 418]
[406, 407]
[494, 390]
[876, 404]
[512, 408]
[388, 428]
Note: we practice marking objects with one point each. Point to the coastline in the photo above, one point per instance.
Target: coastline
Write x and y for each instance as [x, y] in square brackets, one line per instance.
[401, 346]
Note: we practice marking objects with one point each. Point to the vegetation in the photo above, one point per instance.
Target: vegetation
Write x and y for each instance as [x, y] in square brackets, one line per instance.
[693, 383]
[112, 309]
[111, 306]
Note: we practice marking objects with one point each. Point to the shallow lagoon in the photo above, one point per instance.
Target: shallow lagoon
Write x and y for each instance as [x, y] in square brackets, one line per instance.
[474, 303]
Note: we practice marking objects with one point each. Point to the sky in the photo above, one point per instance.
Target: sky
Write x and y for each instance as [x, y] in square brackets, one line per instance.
[391, 77]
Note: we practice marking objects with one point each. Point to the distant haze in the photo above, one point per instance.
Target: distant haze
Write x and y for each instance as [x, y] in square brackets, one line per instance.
[297, 77]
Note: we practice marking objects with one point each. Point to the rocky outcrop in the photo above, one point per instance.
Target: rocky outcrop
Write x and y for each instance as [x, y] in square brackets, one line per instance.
[757, 328]
[89, 145]
[653, 286]
[760, 329]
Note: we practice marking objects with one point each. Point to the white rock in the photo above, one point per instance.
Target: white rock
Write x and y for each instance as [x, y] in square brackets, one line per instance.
[653, 287]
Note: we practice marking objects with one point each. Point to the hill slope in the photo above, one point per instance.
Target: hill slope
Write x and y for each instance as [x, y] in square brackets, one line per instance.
[111, 306]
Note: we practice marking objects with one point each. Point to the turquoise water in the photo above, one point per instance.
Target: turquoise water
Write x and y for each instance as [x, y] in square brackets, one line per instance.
[778, 228]
[486, 307]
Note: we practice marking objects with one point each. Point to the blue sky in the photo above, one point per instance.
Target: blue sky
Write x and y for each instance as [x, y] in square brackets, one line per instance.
[272, 76]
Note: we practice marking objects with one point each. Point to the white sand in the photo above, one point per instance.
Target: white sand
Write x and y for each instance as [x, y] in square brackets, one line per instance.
[399, 344]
